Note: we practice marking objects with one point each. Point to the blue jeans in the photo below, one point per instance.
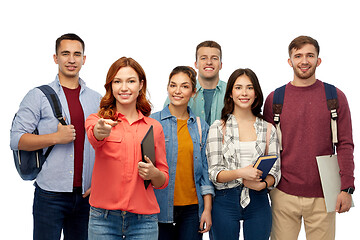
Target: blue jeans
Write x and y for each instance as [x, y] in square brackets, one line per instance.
[54, 212]
[227, 213]
[116, 224]
[185, 226]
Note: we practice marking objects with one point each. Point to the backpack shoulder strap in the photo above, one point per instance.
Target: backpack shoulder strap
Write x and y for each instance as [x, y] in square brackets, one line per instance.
[56, 107]
[54, 102]
[278, 102]
[268, 135]
[199, 127]
[331, 96]
[332, 104]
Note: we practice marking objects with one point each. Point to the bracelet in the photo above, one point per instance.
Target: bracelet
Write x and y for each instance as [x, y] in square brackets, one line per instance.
[265, 183]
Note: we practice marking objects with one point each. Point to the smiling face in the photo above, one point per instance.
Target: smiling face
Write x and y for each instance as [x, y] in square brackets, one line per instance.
[180, 89]
[70, 58]
[304, 62]
[208, 63]
[243, 93]
[125, 88]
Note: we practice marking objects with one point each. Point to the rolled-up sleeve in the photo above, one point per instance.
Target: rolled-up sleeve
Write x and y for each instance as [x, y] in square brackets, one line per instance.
[206, 185]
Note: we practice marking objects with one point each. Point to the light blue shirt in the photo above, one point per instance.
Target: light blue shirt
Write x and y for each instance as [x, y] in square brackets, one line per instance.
[197, 103]
[165, 197]
[57, 173]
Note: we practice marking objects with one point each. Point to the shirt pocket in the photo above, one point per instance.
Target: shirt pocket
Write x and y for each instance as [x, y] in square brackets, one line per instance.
[116, 146]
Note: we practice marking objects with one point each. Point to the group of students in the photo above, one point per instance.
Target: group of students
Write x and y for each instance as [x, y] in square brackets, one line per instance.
[207, 138]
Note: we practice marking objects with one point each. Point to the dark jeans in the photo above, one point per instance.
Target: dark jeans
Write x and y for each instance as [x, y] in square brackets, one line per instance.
[54, 212]
[227, 213]
[185, 226]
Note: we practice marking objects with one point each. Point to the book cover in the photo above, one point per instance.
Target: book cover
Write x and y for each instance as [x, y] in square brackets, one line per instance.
[265, 163]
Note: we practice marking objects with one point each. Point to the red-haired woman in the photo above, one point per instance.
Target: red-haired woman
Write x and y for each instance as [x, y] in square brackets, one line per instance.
[120, 204]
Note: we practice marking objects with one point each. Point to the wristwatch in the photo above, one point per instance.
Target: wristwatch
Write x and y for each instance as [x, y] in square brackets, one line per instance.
[348, 190]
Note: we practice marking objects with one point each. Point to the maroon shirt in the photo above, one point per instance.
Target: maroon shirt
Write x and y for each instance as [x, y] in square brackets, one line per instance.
[76, 119]
[306, 133]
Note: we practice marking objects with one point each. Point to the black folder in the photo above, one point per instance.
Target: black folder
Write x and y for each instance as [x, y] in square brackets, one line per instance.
[148, 149]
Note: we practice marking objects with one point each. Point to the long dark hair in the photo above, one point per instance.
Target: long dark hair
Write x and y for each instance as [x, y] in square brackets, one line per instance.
[229, 102]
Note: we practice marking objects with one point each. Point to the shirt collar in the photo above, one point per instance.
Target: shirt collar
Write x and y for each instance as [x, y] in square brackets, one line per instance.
[141, 117]
[81, 82]
[218, 87]
[165, 113]
[257, 123]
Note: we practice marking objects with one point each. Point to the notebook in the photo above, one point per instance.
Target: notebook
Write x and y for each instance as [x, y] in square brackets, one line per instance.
[148, 149]
[265, 163]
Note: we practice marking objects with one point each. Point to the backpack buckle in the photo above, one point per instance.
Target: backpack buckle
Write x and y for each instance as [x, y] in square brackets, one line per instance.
[334, 114]
[276, 118]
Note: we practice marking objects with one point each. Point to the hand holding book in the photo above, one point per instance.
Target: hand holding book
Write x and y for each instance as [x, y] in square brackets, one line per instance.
[250, 173]
[265, 163]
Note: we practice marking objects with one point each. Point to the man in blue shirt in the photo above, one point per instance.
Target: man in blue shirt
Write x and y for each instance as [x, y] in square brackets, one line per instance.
[62, 188]
[210, 90]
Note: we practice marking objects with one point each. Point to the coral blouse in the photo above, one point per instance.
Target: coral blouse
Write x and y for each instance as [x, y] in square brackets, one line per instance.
[116, 184]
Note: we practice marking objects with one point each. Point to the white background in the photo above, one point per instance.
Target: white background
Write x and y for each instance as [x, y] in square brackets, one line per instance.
[161, 35]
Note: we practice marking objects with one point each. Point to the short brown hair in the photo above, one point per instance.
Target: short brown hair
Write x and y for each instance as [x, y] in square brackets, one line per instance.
[211, 44]
[300, 41]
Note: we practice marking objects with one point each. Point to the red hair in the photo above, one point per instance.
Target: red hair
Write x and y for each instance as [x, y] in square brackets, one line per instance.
[108, 102]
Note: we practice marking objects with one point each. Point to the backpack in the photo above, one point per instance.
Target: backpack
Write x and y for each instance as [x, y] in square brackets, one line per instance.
[332, 104]
[29, 163]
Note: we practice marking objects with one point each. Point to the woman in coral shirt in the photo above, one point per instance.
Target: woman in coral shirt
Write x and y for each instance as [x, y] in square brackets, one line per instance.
[121, 206]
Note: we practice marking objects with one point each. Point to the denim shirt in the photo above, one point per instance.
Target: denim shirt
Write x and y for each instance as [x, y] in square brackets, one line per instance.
[165, 197]
[57, 173]
[197, 103]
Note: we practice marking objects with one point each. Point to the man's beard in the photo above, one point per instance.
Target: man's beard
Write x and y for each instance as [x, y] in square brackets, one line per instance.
[305, 75]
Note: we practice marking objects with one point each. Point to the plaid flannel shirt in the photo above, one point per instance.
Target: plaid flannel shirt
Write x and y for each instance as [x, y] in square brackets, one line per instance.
[223, 152]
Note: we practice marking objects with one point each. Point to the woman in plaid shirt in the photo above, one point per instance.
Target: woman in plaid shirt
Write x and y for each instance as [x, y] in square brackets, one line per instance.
[234, 144]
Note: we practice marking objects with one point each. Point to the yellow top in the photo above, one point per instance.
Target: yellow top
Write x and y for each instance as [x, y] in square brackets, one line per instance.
[185, 191]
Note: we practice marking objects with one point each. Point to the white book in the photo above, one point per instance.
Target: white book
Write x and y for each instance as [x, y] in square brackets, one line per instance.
[330, 180]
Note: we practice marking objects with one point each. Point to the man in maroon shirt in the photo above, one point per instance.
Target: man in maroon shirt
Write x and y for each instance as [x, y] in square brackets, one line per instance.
[306, 133]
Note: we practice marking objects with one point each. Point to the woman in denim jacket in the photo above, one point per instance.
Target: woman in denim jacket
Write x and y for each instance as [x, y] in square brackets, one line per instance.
[185, 205]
